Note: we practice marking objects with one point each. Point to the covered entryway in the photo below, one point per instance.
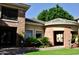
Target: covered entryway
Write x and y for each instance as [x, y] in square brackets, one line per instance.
[58, 38]
[7, 37]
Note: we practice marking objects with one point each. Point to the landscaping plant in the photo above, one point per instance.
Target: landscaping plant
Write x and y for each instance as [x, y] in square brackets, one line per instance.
[37, 42]
[32, 42]
[45, 41]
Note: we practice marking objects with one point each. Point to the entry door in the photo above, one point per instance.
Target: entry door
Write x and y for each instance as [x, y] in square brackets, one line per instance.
[7, 37]
[3, 37]
[58, 38]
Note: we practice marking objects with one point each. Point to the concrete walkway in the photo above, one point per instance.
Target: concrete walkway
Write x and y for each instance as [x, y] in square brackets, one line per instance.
[20, 51]
[12, 51]
[51, 48]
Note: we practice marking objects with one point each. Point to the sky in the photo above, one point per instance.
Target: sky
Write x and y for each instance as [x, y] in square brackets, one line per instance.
[36, 8]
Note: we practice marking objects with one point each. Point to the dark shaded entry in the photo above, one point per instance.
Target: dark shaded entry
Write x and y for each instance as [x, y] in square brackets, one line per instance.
[58, 38]
[7, 37]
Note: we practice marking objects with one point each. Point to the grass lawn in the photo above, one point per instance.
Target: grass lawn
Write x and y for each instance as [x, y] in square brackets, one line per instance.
[55, 52]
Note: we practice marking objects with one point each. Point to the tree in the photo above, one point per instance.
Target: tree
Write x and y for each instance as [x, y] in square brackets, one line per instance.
[55, 12]
[42, 15]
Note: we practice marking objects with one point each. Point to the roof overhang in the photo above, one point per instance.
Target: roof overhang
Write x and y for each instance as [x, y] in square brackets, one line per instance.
[60, 21]
[54, 22]
[32, 23]
[16, 5]
[62, 24]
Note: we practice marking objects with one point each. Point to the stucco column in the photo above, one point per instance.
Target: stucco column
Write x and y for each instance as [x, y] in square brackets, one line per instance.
[50, 34]
[67, 38]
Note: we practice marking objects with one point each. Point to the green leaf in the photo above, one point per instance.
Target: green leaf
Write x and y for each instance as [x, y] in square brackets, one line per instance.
[55, 12]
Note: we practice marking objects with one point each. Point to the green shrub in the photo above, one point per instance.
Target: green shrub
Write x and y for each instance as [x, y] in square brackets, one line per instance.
[32, 41]
[20, 38]
[75, 38]
[37, 42]
[44, 41]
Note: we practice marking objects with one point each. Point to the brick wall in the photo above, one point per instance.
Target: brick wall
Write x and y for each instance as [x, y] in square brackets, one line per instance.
[67, 37]
[21, 25]
[50, 34]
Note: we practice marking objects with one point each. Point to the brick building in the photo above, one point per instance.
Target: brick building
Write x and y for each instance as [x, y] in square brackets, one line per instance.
[14, 27]
[59, 31]
[12, 23]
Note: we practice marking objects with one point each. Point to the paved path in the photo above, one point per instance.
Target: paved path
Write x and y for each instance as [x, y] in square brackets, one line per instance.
[52, 48]
[20, 51]
[12, 51]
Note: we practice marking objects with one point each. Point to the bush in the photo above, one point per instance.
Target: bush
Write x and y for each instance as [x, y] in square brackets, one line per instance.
[37, 42]
[32, 41]
[21, 38]
[44, 41]
[73, 38]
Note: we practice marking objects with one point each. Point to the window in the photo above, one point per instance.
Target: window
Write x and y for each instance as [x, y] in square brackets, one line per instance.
[38, 34]
[9, 13]
[28, 33]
